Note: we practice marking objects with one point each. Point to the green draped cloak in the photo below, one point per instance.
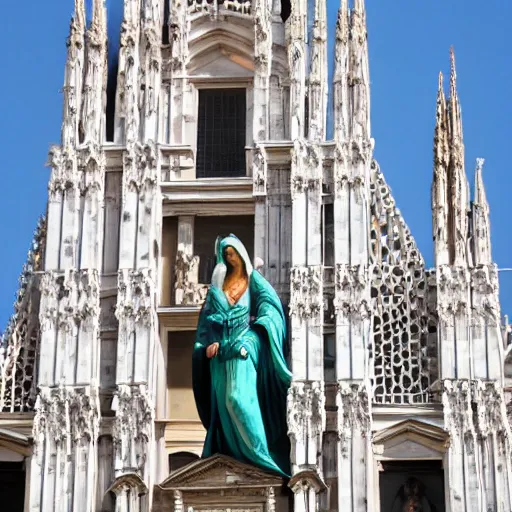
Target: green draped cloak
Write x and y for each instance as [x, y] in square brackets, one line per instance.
[241, 394]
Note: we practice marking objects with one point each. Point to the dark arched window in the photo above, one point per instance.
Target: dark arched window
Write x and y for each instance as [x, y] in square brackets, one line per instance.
[180, 460]
[286, 9]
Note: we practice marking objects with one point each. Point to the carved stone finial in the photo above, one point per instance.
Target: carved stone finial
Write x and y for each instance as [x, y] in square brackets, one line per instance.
[79, 15]
[481, 226]
[453, 71]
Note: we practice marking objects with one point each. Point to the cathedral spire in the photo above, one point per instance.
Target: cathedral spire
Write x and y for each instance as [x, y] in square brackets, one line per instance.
[440, 179]
[318, 89]
[360, 7]
[481, 232]
[73, 76]
[454, 106]
[93, 106]
[99, 18]
[127, 115]
[450, 188]
[79, 16]
[359, 74]
[340, 79]
[458, 186]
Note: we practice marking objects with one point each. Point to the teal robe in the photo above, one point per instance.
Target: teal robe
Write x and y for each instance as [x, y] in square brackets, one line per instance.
[241, 394]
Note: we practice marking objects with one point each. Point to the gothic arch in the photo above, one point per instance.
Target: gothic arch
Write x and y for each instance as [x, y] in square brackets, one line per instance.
[235, 44]
[14, 442]
[132, 488]
[178, 460]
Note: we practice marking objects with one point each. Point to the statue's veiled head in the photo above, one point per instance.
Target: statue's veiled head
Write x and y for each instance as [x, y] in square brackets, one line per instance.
[230, 253]
[234, 261]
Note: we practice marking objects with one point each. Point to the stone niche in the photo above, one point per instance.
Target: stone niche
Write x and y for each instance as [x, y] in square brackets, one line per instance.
[410, 450]
[221, 484]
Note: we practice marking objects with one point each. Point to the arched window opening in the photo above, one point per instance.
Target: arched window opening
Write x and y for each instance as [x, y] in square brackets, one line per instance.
[165, 25]
[286, 9]
[111, 99]
[180, 460]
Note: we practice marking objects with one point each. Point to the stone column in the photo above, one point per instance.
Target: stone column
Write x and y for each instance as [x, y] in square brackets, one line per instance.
[260, 181]
[354, 433]
[138, 347]
[353, 154]
[179, 50]
[66, 426]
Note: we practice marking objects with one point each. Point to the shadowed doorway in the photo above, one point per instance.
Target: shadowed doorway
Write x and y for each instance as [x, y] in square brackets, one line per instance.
[12, 486]
[412, 486]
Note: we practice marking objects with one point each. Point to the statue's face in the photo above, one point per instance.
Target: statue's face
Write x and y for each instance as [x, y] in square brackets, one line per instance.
[233, 258]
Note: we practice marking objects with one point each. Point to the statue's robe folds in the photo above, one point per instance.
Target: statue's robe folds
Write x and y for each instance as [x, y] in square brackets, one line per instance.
[241, 395]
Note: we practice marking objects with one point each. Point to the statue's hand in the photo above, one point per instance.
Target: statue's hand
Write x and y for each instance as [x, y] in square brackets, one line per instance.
[212, 350]
[243, 353]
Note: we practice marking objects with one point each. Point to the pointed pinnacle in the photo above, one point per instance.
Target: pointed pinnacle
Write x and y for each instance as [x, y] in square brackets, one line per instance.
[359, 6]
[453, 73]
[480, 195]
[342, 21]
[320, 11]
[98, 14]
[440, 90]
[79, 14]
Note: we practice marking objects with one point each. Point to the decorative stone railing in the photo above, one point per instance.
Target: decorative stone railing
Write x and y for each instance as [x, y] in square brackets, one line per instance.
[215, 7]
[187, 290]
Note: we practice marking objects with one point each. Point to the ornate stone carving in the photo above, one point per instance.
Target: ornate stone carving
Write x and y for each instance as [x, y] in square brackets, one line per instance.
[72, 296]
[216, 7]
[305, 174]
[475, 408]
[178, 501]
[404, 325]
[271, 500]
[19, 344]
[453, 291]
[141, 167]
[353, 411]
[262, 38]
[74, 75]
[341, 177]
[67, 414]
[306, 409]
[306, 299]
[178, 35]
[350, 291]
[259, 173]
[133, 426]
[79, 171]
[64, 171]
[481, 226]
[94, 78]
[188, 291]
[450, 201]
[135, 296]
[91, 163]
[127, 105]
[485, 298]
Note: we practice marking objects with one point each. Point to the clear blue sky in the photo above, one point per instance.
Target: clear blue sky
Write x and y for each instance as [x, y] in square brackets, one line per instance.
[409, 45]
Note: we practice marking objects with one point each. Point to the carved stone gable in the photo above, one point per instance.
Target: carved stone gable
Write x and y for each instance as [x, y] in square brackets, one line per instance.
[220, 483]
[411, 439]
[218, 472]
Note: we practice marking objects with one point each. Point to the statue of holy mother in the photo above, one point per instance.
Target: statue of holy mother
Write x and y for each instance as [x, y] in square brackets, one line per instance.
[240, 375]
